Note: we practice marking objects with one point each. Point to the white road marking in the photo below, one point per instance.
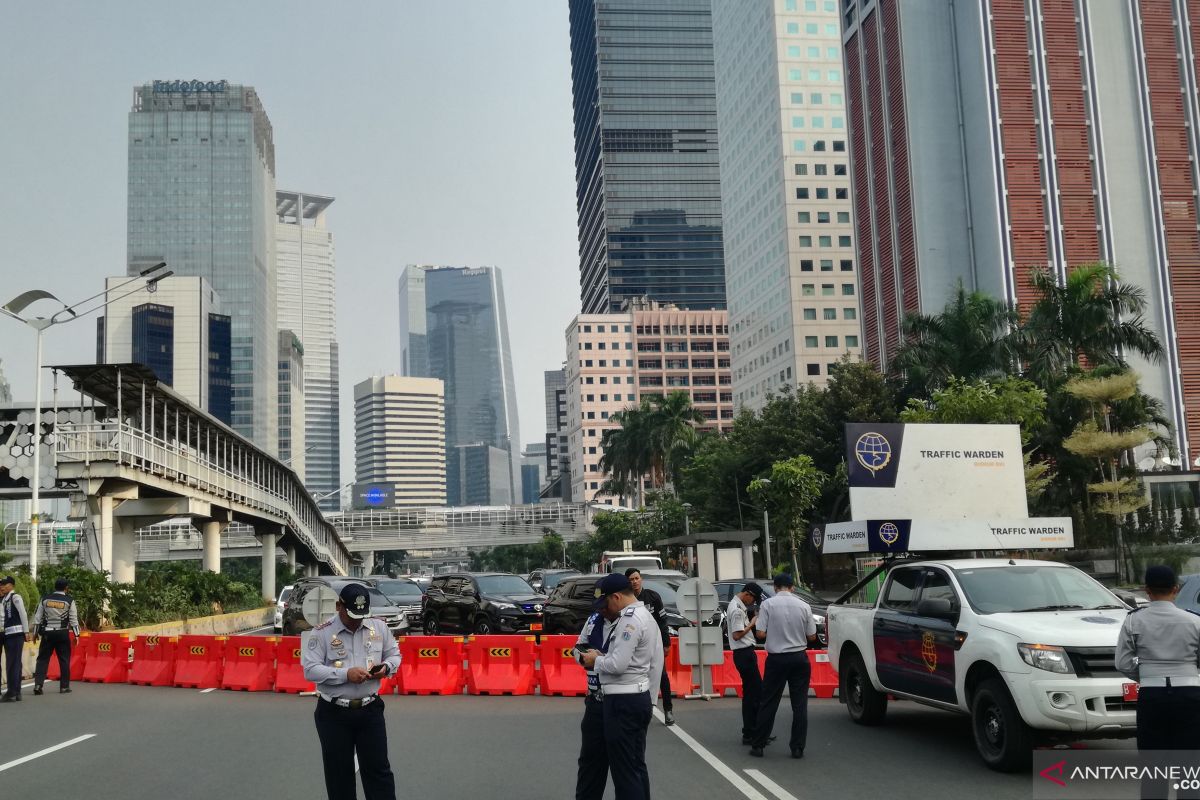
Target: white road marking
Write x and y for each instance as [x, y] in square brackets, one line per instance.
[740, 783]
[206, 691]
[356, 763]
[771, 786]
[45, 752]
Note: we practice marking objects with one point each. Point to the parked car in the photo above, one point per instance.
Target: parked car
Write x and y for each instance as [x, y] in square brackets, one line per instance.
[727, 589]
[481, 603]
[570, 603]
[280, 605]
[405, 594]
[293, 622]
[1189, 593]
[544, 580]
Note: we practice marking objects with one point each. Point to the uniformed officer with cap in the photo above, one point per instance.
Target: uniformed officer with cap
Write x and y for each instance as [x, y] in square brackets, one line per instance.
[785, 622]
[745, 659]
[54, 621]
[592, 776]
[628, 671]
[1159, 647]
[16, 633]
[345, 657]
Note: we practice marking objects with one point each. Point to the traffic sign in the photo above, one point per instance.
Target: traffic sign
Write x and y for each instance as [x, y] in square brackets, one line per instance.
[65, 535]
[702, 645]
[697, 600]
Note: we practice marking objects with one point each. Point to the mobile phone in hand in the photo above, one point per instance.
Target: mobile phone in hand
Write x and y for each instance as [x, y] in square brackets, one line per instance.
[378, 668]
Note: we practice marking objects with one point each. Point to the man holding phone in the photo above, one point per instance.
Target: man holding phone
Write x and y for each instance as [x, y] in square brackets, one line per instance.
[346, 656]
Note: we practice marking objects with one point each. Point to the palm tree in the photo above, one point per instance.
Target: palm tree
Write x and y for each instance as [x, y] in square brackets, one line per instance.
[672, 433]
[1090, 318]
[652, 438]
[972, 338]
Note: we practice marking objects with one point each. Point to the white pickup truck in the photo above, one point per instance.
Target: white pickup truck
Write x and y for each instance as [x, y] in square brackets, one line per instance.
[1024, 647]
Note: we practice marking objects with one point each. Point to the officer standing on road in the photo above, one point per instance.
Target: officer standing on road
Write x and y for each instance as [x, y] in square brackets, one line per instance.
[627, 672]
[592, 776]
[345, 657]
[653, 602]
[1159, 647]
[16, 634]
[745, 659]
[785, 623]
[54, 621]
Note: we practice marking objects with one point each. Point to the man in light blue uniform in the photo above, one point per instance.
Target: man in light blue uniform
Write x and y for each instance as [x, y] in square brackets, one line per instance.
[345, 657]
[786, 624]
[592, 776]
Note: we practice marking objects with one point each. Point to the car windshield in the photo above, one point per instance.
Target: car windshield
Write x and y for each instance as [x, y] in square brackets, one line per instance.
[378, 600]
[665, 591]
[504, 584]
[552, 579]
[399, 590]
[1006, 589]
[285, 594]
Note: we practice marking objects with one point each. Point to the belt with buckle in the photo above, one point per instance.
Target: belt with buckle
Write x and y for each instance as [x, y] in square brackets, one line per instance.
[624, 688]
[1167, 683]
[342, 702]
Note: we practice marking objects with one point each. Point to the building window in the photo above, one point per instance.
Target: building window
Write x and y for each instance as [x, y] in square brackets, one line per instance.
[848, 289]
[847, 265]
[843, 241]
[811, 28]
[823, 217]
[803, 217]
[837, 122]
[825, 241]
[843, 217]
[810, 315]
[806, 241]
[851, 341]
[815, 98]
[795, 74]
[793, 51]
[839, 169]
[814, 74]
[793, 27]
[826, 289]
[806, 265]
[826, 265]
[842, 194]
[810, 341]
[802, 193]
[849, 313]
[814, 52]
[801, 169]
[820, 169]
[799, 146]
[829, 313]
[587, 328]
[831, 341]
[823, 194]
[814, 369]
[819, 147]
[818, 122]
[839, 146]
[808, 290]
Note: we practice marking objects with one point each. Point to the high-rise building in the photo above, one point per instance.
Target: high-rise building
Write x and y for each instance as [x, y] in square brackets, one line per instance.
[463, 331]
[556, 436]
[648, 191]
[307, 298]
[292, 447]
[178, 331]
[991, 139]
[616, 360]
[202, 199]
[477, 474]
[533, 469]
[399, 442]
[785, 190]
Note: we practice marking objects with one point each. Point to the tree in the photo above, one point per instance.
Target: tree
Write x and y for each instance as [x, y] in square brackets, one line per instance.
[673, 433]
[1091, 318]
[655, 438]
[792, 493]
[972, 337]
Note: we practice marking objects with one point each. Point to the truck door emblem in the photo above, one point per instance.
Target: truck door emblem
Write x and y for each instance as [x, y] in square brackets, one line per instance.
[928, 651]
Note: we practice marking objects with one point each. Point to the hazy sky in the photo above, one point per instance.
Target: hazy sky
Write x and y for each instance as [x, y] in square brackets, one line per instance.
[443, 130]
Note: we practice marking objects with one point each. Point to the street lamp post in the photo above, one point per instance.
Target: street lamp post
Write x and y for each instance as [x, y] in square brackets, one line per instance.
[13, 308]
[687, 532]
[767, 530]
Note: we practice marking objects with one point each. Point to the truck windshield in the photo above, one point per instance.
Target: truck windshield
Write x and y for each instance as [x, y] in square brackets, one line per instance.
[622, 564]
[1008, 589]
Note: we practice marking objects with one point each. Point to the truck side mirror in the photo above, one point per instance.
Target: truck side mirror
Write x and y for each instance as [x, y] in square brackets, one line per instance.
[938, 608]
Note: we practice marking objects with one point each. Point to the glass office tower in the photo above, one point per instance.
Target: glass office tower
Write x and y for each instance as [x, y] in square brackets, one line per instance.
[202, 198]
[463, 335]
[647, 180]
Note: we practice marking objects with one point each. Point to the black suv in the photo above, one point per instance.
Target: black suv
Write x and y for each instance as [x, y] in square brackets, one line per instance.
[294, 623]
[482, 603]
[571, 602]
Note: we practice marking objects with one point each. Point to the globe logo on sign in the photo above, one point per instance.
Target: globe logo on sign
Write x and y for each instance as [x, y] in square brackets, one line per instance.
[873, 451]
[889, 533]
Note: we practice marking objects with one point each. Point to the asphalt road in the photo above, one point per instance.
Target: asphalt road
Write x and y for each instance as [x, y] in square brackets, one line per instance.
[147, 742]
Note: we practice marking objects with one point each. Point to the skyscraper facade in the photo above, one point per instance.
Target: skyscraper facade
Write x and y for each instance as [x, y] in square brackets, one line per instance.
[463, 331]
[647, 180]
[399, 442]
[292, 448]
[555, 381]
[202, 198]
[307, 298]
[991, 139]
[785, 190]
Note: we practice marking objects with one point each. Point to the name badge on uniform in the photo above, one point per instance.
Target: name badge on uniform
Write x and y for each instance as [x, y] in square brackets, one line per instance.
[370, 664]
[335, 642]
[371, 634]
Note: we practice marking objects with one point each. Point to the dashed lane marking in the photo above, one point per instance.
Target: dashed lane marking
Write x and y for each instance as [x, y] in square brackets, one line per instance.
[740, 783]
[18, 762]
[770, 785]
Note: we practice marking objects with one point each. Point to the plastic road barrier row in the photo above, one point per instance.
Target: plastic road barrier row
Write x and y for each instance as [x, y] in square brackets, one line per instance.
[431, 665]
[78, 657]
[249, 663]
[107, 659]
[289, 674]
[558, 672]
[501, 665]
[199, 662]
[153, 660]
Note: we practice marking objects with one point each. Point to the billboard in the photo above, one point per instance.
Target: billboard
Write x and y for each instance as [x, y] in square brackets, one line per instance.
[373, 495]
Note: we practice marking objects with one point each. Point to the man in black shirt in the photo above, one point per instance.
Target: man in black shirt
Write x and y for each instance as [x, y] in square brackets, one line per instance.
[654, 603]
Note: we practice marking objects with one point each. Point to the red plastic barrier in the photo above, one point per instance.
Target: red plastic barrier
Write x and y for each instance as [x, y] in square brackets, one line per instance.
[153, 660]
[107, 658]
[824, 680]
[679, 674]
[249, 663]
[501, 665]
[431, 665]
[289, 674]
[559, 673]
[78, 659]
[389, 686]
[198, 662]
[725, 676]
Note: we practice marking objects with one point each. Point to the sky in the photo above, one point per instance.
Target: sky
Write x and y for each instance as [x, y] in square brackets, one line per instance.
[442, 129]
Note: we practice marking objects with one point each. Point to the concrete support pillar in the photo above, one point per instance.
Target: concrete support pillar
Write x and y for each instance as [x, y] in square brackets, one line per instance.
[268, 565]
[104, 528]
[123, 542]
[312, 570]
[290, 550]
[368, 562]
[210, 532]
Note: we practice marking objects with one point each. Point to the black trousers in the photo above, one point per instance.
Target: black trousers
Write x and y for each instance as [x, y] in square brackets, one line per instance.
[346, 731]
[793, 671]
[56, 643]
[626, 718]
[14, 643]
[593, 753]
[664, 683]
[1167, 719]
[745, 660]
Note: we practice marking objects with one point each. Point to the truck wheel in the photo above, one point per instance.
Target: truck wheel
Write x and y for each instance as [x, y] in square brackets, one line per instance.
[1002, 738]
[866, 704]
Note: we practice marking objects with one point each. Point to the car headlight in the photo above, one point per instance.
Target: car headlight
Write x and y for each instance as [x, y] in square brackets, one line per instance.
[502, 606]
[1047, 657]
[818, 619]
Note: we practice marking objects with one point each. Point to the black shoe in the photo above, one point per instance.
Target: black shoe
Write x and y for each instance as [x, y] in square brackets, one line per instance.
[65, 691]
[37, 690]
[17, 698]
[8, 698]
[757, 752]
[797, 752]
[669, 718]
[750, 739]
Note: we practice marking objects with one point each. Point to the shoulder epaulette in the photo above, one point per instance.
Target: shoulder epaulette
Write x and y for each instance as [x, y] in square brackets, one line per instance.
[629, 612]
[323, 625]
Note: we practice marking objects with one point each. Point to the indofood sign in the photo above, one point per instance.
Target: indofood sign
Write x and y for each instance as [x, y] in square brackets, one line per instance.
[189, 87]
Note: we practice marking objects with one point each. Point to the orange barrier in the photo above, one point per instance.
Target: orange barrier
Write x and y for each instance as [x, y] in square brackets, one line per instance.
[559, 673]
[725, 676]
[824, 681]
[431, 665]
[679, 674]
[198, 662]
[289, 674]
[107, 659]
[78, 658]
[249, 663]
[153, 660]
[501, 665]
[389, 685]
